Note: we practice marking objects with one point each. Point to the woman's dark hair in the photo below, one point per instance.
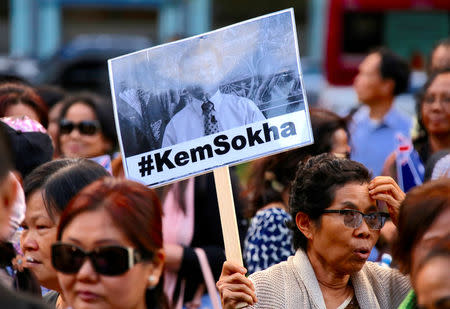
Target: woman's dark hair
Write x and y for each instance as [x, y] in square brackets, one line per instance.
[421, 141]
[324, 124]
[6, 155]
[134, 209]
[51, 94]
[421, 207]
[315, 185]
[61, 180]
[11, 78]
[271, 175]
[103, 111]
[16, 93]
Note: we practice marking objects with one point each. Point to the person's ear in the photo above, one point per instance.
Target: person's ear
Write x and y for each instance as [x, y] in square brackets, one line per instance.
[8, 194]
[155, 268]
[18, 176]
[388, 87]
[304, 224]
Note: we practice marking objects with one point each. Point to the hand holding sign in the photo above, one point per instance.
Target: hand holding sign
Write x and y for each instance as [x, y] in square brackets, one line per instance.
[235, 289]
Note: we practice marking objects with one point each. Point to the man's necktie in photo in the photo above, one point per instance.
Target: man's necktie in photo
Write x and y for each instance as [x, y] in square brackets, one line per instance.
[209, 118]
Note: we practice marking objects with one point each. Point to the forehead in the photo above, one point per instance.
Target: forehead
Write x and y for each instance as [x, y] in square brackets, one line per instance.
[432, 282]
[339, 136]
[81, 111]
[440, 84]
[440, 227]
[36, 206]
[371, 63]
[92, 227]
[353, 193]
[441, 53]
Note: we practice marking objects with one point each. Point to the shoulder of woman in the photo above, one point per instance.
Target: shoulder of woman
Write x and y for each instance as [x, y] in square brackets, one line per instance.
[50, 298]
[277, 286]
[382, 271]
[269, 277]
[274, 278]
[386, 276]
[269, 286]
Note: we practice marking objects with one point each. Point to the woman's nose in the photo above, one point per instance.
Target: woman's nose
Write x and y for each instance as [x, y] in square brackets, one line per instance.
[74, 133]
[28, 242]
[363, 230]
[87, 273]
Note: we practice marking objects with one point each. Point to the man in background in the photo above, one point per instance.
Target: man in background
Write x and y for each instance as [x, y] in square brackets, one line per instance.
[375, 125]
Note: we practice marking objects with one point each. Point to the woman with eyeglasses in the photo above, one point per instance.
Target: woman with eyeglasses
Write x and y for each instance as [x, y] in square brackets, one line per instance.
[48, 189]
[337, 217]
[86, 127]
[268, 240]
[109, 252]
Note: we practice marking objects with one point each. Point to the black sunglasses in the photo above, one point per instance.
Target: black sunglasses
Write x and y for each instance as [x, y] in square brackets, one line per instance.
[353, 218]
[107, 260]
[85, 127]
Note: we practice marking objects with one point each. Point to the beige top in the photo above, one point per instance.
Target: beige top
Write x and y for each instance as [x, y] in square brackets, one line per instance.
[293, 284]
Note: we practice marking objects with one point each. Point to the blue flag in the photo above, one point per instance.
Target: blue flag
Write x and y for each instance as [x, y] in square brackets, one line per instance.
[410, 169]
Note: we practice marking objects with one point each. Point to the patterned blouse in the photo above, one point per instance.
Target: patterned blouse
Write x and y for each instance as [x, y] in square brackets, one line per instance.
[268, 240]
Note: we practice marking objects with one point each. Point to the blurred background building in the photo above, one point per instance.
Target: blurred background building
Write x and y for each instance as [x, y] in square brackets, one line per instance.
[67, 42]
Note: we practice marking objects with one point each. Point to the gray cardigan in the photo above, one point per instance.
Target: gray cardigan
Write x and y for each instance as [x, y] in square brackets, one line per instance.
[293, 284]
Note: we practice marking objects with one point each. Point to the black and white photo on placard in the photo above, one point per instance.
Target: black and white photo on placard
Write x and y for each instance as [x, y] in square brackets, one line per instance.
[191, 92]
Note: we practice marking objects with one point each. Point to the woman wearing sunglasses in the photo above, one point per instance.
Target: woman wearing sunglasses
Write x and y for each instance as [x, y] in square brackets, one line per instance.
[336, 223]
[86, 127]
[48, 189]
[109, 251]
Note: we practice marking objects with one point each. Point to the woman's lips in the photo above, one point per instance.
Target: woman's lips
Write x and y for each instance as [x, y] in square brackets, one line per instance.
[30, 262]
[362, 253]
[74, 148]
[87, 296]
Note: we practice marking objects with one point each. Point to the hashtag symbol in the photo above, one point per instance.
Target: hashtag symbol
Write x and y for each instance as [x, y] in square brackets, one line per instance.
[146, 165]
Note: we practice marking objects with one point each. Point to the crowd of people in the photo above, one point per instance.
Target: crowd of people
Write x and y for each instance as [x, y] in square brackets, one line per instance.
[358, 219]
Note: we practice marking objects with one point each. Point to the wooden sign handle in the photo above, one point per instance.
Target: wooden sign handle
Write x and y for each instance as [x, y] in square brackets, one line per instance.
[228, 218]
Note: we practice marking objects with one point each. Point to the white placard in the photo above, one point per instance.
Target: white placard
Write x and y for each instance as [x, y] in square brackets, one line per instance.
[220, 98]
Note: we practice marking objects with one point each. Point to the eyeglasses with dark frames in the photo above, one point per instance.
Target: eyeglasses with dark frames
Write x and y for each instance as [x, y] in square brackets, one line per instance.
[353, 218]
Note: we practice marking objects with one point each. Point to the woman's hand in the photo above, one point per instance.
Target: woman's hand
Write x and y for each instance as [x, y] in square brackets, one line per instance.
[234, 287]
[384, 188]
